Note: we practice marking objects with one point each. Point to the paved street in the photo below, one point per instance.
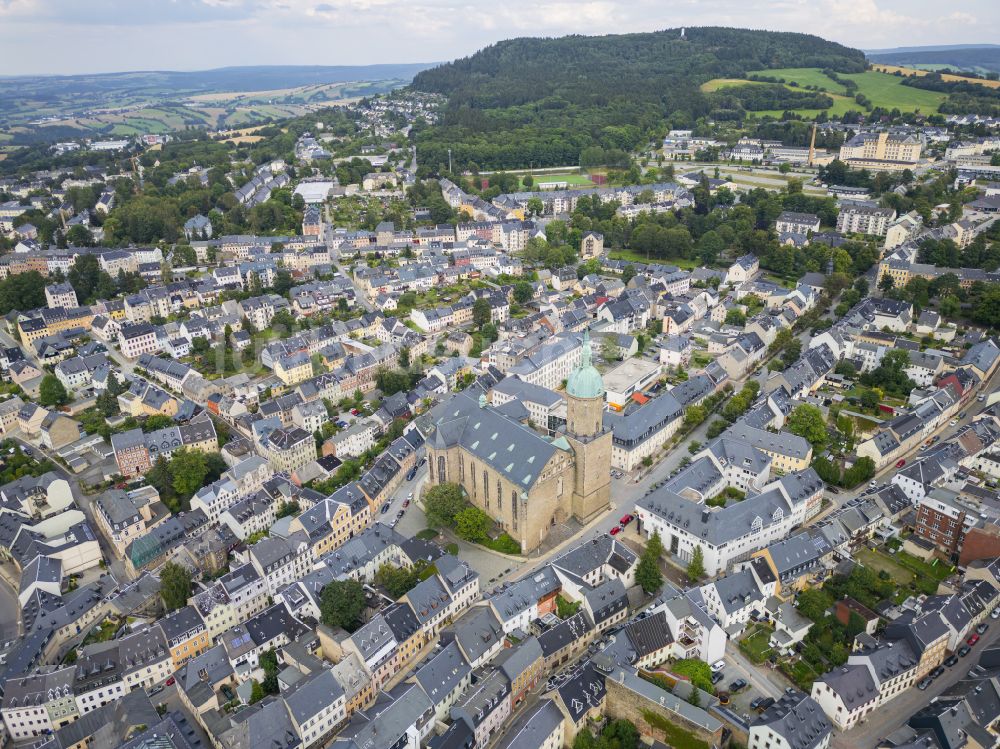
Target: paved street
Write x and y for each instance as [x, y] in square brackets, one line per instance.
[895, 714]
[85, 503]
[9, 607]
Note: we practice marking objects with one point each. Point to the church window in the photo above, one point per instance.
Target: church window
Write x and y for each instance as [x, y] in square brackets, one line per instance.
[486, 487]
[441, 472]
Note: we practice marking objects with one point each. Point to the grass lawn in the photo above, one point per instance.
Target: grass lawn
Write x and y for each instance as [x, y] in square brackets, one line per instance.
[104, 632]
[800, 672]
[882, 89]
[756, 644]
[572, 179]
[638, 257]
[909, 573]
[884, 563]
[803, 77]
[888, 91]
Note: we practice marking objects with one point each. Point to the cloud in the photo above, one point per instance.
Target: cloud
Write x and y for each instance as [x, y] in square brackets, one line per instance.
[127, 13]
[46, 35]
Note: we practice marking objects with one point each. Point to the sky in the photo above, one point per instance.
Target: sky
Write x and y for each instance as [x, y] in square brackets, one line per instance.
[90, 36]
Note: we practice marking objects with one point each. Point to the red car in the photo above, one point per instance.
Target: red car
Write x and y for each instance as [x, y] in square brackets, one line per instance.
[170, 681]
[901, 463]
[973, 639]
[406, 503]
[626, 519]
[617, 529]
[354, 412]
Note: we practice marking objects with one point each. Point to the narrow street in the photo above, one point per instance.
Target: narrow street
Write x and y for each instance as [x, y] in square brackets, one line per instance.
[896, 713]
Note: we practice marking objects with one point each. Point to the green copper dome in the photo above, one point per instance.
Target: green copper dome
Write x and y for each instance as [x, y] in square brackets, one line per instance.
[585, 381]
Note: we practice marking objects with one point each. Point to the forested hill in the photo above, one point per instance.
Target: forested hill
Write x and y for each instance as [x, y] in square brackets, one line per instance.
[544, 100]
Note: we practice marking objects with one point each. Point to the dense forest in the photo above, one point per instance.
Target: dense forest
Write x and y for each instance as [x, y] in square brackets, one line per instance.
[543, 101]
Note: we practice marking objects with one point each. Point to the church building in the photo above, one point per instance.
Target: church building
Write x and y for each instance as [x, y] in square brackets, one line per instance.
[526, 481]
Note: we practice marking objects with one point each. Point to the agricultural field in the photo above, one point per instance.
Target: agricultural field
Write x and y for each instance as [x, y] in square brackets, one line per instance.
[925, 69]
[803, 77]
[882, 89]
[49, 108]
[717, 84]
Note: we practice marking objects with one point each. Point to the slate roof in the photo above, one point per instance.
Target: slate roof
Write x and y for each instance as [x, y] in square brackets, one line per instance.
[798, 719]
[532, 728]
[442, 672]
[477, 631]
[510, 448]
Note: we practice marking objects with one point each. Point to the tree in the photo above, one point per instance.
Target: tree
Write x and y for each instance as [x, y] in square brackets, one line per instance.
[694, 415]
[535, 207]
[473, 524]
[813, 603]
[481, 313]
[397, 581]
[807, 421]
[647, 573]
[341, 604]
[51, 392]
[157, 421]
[696, 567]
[188, 469]
[523, 292]
[22, 291]
[175, 585]
[696, 671]
[159, 477]
[391, 381]
[442, 503]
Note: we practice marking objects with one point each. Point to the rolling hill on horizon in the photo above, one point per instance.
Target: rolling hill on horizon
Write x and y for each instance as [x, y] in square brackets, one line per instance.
[53, 107]
[554, 101]
[978, 58]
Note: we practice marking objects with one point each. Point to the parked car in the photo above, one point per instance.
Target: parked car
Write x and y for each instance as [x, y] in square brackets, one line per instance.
[400, 513]
[718, 665]
[170, 681]
[341, 423]
[964, 651]
[760, 704]
[901, 463]
[936, 672]
[982, 628]
[995, 614]
[354, 412]
[626, 519]
[924, 683]
[737, 685]
[973, 639]
[717, 677]
[406, 503]
[385, 508]
[616, 530]
[951, 660]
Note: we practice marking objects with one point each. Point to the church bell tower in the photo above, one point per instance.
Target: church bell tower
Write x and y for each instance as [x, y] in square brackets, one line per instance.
[586, 434]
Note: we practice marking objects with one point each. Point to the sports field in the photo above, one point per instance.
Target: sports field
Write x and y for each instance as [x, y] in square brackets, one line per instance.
[578, 180]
